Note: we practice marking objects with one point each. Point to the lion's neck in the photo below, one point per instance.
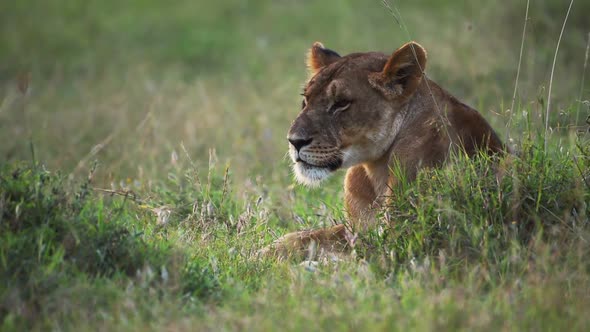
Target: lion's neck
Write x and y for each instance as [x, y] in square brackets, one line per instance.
[427, 99]
[378, 171]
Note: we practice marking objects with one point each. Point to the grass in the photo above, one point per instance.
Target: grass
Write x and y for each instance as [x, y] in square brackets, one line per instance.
[143, 168]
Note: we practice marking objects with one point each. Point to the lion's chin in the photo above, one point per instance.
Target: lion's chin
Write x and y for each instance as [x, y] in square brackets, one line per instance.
[309, 175]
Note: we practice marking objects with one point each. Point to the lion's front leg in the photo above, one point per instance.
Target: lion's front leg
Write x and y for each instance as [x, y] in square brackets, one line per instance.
[360, 198]
[310, 243]
[361, 205]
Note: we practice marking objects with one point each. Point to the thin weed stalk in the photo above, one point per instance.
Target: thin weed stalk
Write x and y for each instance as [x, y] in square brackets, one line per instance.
[23, 83]
[209, 172]
[225, 186]
[195, 175]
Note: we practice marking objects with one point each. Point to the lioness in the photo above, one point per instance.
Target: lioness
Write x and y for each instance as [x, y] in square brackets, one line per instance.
[366, 112]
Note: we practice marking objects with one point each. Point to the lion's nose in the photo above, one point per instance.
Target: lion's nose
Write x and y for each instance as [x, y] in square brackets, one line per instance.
[299, 143]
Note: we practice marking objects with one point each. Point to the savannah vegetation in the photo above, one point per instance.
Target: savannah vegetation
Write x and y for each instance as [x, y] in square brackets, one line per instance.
[142, 166]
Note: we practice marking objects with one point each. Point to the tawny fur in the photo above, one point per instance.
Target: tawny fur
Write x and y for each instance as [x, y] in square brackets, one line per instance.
[392, 116]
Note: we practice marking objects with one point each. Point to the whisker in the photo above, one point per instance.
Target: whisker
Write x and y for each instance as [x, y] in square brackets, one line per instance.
[287, 156]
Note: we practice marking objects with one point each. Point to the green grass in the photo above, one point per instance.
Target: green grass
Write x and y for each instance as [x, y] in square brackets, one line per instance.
[144, 167]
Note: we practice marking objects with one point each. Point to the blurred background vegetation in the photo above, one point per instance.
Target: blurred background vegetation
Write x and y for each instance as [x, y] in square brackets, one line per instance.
[127, 82]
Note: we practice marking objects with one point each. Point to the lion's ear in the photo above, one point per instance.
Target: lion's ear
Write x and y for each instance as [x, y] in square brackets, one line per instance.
[319, 57]
[403, 71]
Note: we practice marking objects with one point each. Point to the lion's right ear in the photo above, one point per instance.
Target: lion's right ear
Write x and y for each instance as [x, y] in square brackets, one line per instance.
[319, 57]
[402, 73]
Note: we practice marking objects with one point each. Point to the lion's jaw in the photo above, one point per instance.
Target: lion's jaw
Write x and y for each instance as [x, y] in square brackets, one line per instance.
[310, 175]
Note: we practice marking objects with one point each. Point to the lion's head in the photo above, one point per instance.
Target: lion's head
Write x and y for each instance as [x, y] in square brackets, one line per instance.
[352, 108]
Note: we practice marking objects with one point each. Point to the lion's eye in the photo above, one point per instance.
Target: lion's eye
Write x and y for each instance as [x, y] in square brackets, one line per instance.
[340, 105]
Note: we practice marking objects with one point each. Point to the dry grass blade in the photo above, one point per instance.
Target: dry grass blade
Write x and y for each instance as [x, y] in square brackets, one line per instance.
[93, 152]
[127, 193]
[391, 11]
[23, 82]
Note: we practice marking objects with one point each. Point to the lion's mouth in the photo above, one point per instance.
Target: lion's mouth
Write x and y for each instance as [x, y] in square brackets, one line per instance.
[332, 165]
[311, 170]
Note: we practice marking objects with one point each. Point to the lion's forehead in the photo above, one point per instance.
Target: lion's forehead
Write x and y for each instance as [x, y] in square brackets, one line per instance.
[344, 68]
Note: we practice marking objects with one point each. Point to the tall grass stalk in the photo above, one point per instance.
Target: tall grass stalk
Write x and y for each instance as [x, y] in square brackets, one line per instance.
[526, 18]
[581, 94]
[552, 71]
[397, 15]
